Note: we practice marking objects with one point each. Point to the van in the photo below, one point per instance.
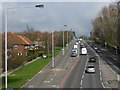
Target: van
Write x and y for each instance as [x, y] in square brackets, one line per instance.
[75, 46]
[83, 51]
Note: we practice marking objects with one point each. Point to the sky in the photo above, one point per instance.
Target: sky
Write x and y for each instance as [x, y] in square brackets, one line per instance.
[77, 16]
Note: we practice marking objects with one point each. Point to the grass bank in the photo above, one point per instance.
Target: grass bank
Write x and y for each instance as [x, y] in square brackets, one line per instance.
[21, 76]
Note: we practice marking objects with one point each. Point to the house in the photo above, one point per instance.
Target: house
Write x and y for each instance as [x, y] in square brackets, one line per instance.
[19, 44]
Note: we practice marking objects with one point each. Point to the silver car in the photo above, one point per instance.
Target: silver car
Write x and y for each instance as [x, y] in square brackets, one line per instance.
[90, 69]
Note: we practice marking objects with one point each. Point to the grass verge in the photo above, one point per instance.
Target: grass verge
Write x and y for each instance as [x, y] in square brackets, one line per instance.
[21, 76]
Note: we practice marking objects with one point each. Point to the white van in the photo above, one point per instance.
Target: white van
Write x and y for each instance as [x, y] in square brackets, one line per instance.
[75, 46]
[83, 51]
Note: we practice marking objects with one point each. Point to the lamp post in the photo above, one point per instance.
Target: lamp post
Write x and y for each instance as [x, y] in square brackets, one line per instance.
[6, 27]
[63, 43]
[52, 48]
[67, 40]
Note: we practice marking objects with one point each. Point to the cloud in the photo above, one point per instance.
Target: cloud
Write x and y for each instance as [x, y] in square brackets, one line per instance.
[77, 16]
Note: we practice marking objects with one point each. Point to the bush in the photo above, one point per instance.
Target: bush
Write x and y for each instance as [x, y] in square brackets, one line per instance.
[31, 57]
[39, 54]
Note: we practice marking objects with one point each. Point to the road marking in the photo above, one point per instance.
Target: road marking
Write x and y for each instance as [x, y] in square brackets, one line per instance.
[112, 65]
[53, 85]
[100, 73]
[81, 82]
[46, 81]
[115, 59]
[51, 79]
[31, 86]
[101, 78]
[118, 77]
[103, 85]
[66, 65]
[112, 70]
[81, 87]
[82, 76]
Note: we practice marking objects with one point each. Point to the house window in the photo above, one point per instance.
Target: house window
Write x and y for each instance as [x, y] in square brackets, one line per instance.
[27, 47]
[19, 53]
[15, 46]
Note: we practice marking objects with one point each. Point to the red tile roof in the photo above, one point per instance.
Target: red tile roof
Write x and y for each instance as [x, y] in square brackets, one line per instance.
[14, 38]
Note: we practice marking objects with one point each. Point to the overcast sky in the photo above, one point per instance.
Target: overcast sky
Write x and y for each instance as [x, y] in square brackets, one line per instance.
[76, 15]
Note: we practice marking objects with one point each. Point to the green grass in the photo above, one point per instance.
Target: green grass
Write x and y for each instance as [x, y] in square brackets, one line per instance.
[21, 76]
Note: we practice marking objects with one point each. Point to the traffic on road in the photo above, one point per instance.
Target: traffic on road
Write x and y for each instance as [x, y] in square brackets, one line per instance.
[80, 67]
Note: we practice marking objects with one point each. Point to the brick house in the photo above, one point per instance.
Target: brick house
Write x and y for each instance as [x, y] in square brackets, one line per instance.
[19, 44]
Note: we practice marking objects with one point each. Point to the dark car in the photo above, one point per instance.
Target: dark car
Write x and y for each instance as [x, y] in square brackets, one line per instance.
[98, 51]
[92, 59]
[73, 54]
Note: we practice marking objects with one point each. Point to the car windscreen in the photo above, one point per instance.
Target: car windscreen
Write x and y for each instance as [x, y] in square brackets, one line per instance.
[90, 66]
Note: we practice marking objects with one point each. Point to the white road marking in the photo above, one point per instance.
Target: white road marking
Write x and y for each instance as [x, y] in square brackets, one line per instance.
[31, 86]
[46, 81]
[53, 85]
[118, 77]
[51, 79]
[101, 78]
[81, 82]
[66, 65]
[100, 73]
[82, 76]
[112, 70]
[103, 85]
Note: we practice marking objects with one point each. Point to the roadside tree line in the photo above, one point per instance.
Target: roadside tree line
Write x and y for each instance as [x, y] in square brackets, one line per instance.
[44, 47]
[106, 26]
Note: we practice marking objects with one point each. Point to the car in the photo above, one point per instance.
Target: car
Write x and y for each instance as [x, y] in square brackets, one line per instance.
[73, 54]
[95, 47]
[88, 48]
[98, 51]
[92, 59]
[74, 50]
[90, 69]
[81, 46]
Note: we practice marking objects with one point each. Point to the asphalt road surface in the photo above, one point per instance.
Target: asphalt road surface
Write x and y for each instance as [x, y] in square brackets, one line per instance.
[69, 72]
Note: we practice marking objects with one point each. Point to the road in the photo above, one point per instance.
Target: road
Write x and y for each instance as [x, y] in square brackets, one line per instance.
[79, 79]
[69, 72]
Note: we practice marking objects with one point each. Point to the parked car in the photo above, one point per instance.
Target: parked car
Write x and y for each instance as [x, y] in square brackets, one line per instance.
[90, 69]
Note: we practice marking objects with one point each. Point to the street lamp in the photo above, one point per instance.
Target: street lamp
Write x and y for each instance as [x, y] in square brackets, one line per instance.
[6, 26]
[52, 48]
[63, 41]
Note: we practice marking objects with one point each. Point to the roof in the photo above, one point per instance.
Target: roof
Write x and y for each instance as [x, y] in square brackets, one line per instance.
[14, 38]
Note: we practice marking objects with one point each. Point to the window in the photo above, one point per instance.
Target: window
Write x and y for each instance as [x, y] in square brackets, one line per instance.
[19, 53]
[16, 46]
